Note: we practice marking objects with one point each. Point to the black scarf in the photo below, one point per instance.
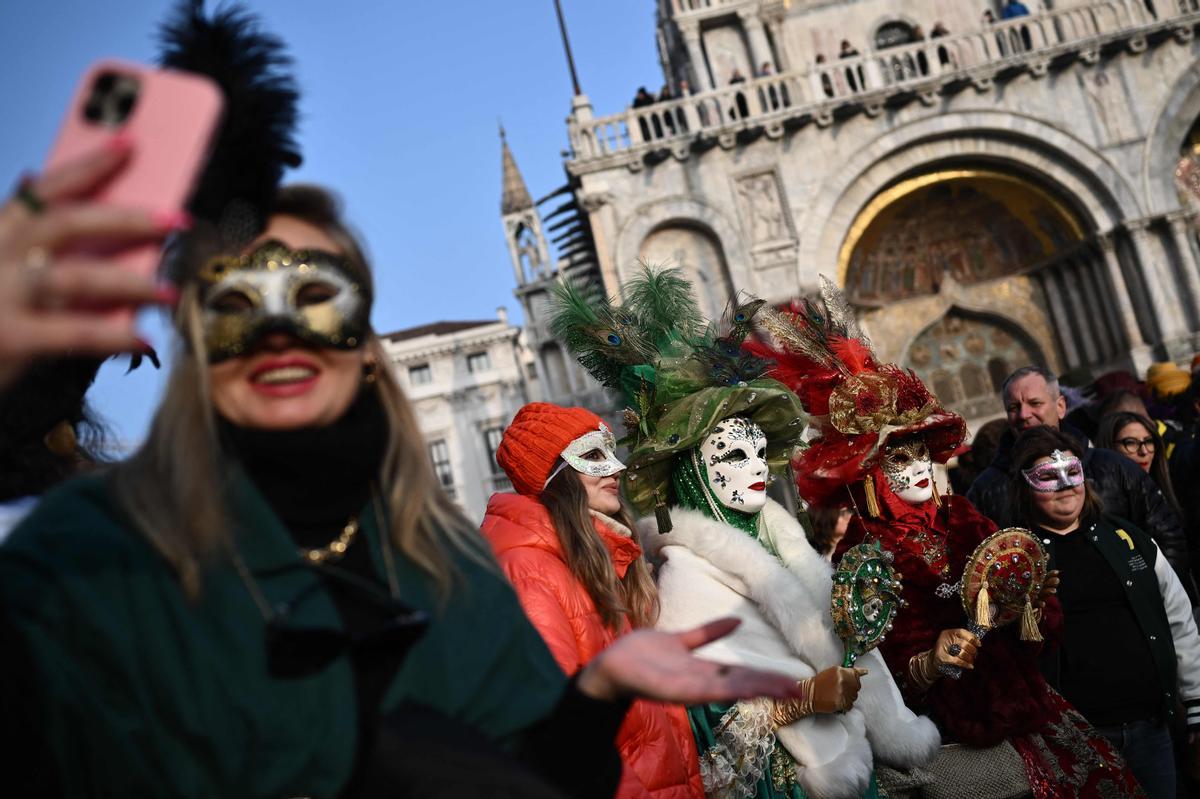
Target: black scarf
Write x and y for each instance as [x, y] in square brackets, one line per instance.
[314, 478]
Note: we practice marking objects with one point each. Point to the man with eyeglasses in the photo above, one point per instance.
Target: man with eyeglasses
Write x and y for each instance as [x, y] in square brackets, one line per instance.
[1031, 397]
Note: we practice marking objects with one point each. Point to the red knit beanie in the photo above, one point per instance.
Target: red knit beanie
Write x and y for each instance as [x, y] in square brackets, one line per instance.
[537, 436]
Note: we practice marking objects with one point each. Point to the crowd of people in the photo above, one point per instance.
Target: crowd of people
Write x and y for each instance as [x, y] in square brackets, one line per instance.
[273, 596]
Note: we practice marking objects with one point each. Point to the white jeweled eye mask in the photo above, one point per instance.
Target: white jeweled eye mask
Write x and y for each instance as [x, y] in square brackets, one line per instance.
[909, 471]
[600, 445]
[734, 456]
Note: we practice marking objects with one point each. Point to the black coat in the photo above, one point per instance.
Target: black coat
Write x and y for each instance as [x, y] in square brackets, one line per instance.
[1125, 490]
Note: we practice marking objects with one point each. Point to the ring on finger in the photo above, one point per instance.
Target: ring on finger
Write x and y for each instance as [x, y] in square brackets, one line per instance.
[37, 261]
[29, 198]
[954, 650]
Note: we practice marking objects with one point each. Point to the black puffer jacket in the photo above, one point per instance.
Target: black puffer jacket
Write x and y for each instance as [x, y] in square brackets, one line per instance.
[1125, 489]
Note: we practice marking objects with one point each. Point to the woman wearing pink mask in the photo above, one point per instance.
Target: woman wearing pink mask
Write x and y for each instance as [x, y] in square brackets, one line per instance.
[1129, 650]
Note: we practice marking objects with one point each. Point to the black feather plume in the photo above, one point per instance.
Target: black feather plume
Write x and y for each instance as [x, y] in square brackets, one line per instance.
[256, 140]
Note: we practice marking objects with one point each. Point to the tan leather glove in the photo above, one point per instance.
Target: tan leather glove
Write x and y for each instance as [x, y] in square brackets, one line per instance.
[831, 691]
[955, 648]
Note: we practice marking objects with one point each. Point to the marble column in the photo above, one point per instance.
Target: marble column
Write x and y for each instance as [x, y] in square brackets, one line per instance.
[1182, 233]
[1121, 303]
[1160, 284]
[1058, 311]
[756, 36]
[1083, 315]
[691, 39]
[1094, 294]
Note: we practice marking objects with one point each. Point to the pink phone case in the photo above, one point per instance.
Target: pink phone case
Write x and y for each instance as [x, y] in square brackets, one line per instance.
[171, 127]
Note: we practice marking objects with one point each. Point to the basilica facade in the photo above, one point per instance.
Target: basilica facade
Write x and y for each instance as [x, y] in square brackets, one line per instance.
[989, 191]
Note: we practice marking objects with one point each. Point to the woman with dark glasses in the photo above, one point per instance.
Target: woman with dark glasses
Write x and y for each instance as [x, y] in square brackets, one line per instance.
[1129, 651]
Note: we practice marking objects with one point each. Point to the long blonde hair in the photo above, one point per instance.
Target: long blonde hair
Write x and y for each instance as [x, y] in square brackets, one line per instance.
[172, 487]
[634, 596]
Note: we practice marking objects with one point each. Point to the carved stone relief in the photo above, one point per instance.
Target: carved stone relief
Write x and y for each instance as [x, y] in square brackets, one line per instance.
[764, 216]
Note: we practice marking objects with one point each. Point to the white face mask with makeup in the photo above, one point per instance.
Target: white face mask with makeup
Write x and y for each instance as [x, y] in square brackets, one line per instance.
[909, 472]
[734, 455]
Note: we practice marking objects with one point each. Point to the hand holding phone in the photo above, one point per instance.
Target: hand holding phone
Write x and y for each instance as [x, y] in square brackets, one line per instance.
[167, 119]
[83, 238]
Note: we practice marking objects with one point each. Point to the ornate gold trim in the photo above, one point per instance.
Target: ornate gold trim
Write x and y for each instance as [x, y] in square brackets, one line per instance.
[885, 198]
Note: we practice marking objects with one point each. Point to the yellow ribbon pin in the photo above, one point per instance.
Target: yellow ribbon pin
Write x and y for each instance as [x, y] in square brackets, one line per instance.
[1125, 537]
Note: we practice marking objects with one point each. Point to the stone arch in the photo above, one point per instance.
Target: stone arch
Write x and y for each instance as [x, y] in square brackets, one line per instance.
[1174, 118]
[1097, 190]
[696, 251]
[890, 31]
[685, 212]
[975, 224]
[950, 356]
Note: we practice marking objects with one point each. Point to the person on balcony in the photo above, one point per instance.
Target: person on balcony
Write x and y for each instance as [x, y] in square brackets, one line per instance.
[826, 81]
[939, 31]
[854, 74]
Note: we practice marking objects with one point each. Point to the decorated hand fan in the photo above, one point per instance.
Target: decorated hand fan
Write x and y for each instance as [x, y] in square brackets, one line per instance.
[1001, 581]
[865, 599]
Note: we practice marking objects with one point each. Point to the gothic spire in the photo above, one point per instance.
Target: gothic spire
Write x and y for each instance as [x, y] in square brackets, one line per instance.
[515, 196]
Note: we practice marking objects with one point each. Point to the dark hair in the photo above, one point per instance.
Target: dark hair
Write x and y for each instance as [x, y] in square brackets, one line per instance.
[1110, 428]
[50, 393]
[1110, 404]
[824, 526]
[1039, 442]
[634, 596]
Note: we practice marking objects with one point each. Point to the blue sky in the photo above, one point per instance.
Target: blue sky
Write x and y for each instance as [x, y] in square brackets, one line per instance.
[400, 105]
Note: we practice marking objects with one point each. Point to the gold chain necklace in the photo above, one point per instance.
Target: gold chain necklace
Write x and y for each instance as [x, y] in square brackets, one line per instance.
[336, 548]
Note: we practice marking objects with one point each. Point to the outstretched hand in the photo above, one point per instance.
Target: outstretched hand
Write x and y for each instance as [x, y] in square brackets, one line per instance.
[661, 666]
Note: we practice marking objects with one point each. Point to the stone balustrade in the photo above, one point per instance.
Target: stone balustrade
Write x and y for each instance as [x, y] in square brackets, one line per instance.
[868, 82]
[685, 7]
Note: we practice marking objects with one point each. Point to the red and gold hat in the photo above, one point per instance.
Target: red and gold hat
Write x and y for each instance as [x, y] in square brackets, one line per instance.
[857, 404]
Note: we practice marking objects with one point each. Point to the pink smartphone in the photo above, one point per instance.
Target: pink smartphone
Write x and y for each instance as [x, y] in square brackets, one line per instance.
[169, 116]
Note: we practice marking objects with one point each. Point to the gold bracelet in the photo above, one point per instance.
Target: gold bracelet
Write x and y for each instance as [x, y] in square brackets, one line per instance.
[922, 674]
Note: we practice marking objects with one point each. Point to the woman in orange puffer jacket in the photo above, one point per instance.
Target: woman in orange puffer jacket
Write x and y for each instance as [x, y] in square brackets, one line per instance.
[565, 542]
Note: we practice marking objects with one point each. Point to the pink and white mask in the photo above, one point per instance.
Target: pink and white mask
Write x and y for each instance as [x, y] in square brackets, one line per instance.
[1063, 471]
[735, 456]
[909, 471]
[600, 445]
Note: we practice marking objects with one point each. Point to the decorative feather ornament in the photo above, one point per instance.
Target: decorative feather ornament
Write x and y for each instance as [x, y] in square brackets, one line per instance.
[608, 341]
[256, 141]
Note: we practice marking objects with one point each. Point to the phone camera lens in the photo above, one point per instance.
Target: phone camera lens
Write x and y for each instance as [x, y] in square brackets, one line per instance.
[104, 83]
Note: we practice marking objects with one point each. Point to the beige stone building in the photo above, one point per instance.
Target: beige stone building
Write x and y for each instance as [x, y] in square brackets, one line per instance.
[466, 380]
[988, 193]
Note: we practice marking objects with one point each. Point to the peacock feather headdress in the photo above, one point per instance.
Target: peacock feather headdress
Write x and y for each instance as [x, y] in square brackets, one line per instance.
[678, 376]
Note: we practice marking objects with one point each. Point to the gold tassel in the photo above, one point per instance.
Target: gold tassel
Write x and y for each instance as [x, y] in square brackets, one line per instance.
[937, 498]
[1029, 623]
[662, 514]
[872, 500]
[983, 607]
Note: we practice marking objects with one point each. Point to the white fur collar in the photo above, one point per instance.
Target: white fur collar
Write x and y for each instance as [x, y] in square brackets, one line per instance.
[787, 627]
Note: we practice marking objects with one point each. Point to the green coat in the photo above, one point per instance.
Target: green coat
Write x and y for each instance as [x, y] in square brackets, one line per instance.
[141, 692]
